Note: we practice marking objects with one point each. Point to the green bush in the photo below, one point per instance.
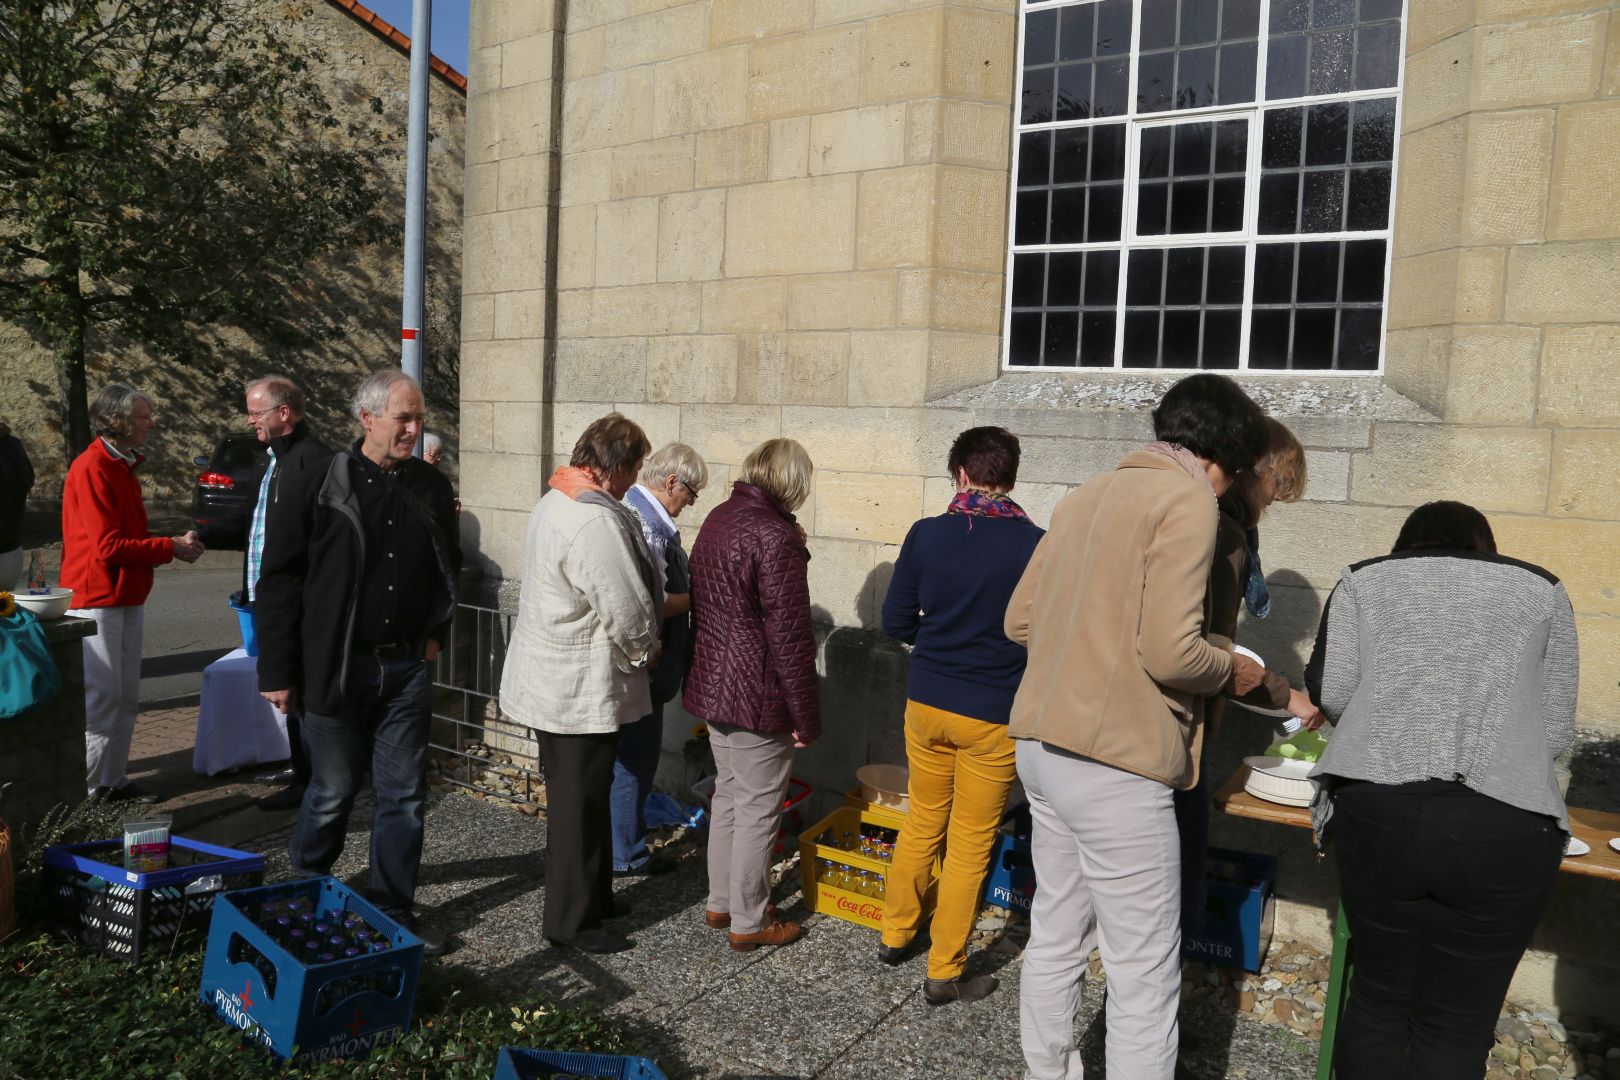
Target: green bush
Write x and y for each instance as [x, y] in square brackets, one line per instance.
[72, 1013]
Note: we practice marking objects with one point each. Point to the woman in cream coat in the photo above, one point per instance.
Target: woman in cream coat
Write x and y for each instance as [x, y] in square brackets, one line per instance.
[576, 669]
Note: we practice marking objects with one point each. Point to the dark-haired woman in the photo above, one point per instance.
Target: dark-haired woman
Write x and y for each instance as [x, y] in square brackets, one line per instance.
[1114, 608]
[1451, 672]
[951, 585]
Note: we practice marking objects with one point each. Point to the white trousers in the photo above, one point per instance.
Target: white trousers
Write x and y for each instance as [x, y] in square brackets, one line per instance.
[112, 691]
[745, 815]
[1108, 862]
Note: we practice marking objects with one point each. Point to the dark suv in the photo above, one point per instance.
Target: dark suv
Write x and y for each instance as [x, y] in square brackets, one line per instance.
[226, 490]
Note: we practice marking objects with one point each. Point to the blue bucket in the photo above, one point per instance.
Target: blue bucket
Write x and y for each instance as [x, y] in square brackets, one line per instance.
[250, 640]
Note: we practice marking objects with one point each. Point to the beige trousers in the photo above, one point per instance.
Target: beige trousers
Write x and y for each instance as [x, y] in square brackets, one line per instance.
[744, 818]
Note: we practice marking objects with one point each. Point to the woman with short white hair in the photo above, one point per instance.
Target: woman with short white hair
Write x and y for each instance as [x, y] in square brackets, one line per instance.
[670, 482]
[108, 558]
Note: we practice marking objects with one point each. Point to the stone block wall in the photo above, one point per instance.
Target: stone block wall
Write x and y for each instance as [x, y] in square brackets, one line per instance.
[788, 217]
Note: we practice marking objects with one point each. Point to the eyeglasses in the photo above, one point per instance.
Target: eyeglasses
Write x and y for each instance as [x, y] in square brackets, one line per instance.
[690, 490]
[254, 414]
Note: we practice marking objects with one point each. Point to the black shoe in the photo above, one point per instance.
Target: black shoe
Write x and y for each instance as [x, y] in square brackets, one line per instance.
[280, 776]
[288, 798]
[130, 792]
[657, 863]
[434, 942]
[596, 941]
[895, 955]
[945, 991]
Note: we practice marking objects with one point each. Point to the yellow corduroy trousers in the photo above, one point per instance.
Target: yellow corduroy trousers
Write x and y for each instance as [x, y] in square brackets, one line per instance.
[961, 771]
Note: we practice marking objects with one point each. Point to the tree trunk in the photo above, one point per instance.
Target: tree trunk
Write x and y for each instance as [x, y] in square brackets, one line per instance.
[70, 377]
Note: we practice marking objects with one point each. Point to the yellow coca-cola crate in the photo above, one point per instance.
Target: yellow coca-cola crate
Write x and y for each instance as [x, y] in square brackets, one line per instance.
[860, 901]
[887, 816]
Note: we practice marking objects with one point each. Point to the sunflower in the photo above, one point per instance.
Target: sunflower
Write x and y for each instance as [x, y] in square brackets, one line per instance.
[8, 605]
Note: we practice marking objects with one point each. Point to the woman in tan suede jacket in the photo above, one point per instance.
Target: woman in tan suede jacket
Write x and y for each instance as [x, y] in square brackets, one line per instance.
[1114, 609]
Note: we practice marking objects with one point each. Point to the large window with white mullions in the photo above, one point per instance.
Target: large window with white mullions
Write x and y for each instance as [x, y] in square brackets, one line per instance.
[1203, 184]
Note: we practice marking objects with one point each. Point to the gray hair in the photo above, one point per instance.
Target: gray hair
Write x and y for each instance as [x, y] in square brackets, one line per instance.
[279, 390]
[431, 442]
[677, 460]
[110, 409]
[372, 395]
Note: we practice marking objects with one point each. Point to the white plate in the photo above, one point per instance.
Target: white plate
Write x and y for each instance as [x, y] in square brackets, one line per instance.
[1576, 847]
[1614, 842]
[1250, 653]
[1286, 768]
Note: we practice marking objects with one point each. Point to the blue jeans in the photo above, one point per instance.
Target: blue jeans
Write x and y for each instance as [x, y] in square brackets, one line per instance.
[633, 769]
[386, 720]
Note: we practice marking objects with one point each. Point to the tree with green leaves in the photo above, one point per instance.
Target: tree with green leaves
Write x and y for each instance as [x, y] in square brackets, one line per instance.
[167, 168]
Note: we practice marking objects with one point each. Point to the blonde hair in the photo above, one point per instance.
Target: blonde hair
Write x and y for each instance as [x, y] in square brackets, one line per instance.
[677, 460]
[1284, 458]
[781, 468]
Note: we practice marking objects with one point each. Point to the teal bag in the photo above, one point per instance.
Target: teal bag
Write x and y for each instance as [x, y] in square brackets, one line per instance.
[28, 675]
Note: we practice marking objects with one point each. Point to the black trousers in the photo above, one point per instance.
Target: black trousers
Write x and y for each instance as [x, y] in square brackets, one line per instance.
[579, 830]
[1443, 888]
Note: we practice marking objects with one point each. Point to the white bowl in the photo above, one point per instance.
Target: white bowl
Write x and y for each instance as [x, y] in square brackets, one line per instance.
[886, 785]
[1280, 780]
[47, 606]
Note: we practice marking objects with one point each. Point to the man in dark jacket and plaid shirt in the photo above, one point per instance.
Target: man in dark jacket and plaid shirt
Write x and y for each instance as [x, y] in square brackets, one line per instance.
[355, 599]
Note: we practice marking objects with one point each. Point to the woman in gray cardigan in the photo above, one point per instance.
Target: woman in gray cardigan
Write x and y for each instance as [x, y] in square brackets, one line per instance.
[1451, 673]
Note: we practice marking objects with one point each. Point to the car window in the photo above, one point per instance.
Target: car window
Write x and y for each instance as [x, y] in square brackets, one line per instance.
[237, 454]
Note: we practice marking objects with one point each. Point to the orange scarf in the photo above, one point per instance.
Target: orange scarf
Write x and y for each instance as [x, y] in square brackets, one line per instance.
[573, 482]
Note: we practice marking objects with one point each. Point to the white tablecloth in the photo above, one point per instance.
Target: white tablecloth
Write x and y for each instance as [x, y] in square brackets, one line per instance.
[235, 726]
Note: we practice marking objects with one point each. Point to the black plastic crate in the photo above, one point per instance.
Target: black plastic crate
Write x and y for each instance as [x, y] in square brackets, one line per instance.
[127, 915]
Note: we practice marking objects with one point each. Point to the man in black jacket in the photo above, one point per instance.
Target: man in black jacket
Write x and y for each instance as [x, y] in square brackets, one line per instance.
[275, 408]
[355, 598]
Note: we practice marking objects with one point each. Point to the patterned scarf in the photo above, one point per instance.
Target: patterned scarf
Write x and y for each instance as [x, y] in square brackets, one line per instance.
[1185, 458]
[976, 502]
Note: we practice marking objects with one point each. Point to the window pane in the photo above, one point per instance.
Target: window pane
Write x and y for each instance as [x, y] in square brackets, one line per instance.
[1318, 280]
[1069, 215]
[1102, 279]
[1314, 338]
[1155, 75]
[1024, 339]
[1158, 24]
[1074, 92]
[1332, 56]
[1184, 276]
[1040, 38]
[1192, 147]
[1322, 209]
[1287, 15]
[1240, 19]
[1268, 339]
[1231, 146]
[1364, 271]
[1189, 206]
[1155, 152]
[1222, 331]
[1108, 152]
[1179, 346]
[1369, 199]
[1284, 139]
[1274, 274]
[1195, 78]
[1071, 154]
[1107, 208]
[1141, 338]
[1097, 338]
[1031, 224]
[1360, 332]
[1377, 56]
[1326, 127]
[1279, 203]
[1152, 209]
[1226, 205]
[1201, 199]
[1237, 73]
[1061, 347]
[1285, 66]
[1114, 33]
[1077, 25]
[1112, 89]
[1225, 276]
[1333, 12]
[1027, 283]
[1036, 102]
[1144, 278]
[1200, 22]
[1063, 270]
[1034, 158]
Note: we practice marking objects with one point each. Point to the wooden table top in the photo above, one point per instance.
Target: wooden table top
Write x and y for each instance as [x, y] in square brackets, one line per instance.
[1592, 826]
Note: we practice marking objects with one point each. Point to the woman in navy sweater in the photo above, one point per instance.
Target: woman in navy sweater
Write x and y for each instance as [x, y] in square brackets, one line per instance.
[947, 598]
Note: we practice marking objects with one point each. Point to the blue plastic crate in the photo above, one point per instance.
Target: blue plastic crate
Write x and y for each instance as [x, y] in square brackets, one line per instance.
[1010, 883]
[1239, 910]
[516, 1063]
[301, 1011]
[125, 914]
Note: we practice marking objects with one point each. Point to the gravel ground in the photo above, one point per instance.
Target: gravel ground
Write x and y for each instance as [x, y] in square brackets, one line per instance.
[820, 1008]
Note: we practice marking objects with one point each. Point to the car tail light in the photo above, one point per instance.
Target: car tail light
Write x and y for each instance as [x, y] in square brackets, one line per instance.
[215, 480]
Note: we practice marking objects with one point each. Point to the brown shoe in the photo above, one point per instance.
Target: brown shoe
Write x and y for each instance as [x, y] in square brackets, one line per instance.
[775, 933]
[721, 920]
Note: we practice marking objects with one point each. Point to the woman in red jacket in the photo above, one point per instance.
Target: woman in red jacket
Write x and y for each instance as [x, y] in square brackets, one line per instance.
[107, 560]
[753, 679]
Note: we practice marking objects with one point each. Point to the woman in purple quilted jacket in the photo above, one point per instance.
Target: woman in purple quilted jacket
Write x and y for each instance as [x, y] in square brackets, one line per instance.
[753, 679]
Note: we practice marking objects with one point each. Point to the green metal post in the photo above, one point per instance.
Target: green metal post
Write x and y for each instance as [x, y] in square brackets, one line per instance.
[1338, 982]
